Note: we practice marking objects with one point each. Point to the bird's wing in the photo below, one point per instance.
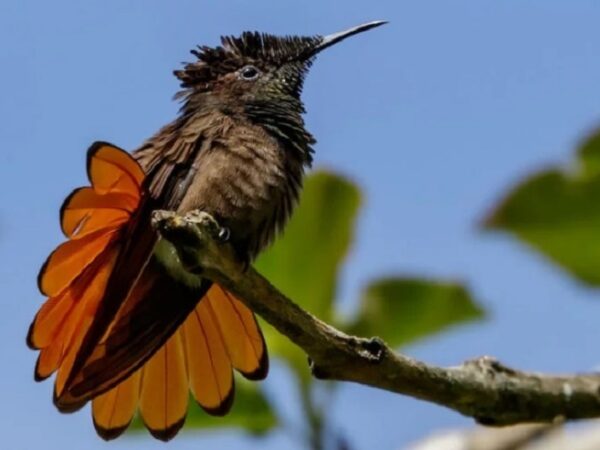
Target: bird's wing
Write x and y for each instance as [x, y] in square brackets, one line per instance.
[75, 276]
[137, 305]
[134, 307]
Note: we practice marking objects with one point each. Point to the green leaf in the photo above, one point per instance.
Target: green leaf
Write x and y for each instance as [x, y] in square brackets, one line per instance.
[558, 213]
[401, 310]
[589, 153]
[251, 411]
[305, 261]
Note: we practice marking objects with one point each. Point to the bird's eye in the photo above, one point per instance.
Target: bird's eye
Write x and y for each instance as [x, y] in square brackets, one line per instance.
[249, 73]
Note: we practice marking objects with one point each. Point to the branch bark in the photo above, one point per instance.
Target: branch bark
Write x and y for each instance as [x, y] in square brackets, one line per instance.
[482, 388]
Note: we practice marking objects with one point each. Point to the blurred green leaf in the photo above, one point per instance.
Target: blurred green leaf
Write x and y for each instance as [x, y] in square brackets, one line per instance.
[589, 153]
[558, 214]
[401, 310]
[305, 261]
[251, 411]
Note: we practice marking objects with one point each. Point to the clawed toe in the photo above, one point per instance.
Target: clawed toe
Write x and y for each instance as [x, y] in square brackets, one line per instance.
[224, 234]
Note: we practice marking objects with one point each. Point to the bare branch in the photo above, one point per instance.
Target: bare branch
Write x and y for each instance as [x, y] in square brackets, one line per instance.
[483, 388]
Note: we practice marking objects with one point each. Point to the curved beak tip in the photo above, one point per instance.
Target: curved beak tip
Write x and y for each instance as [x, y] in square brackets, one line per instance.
[334, 38]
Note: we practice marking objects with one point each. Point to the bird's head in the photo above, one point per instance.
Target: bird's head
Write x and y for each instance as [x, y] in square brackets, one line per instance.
[256, 74]
[257, 67]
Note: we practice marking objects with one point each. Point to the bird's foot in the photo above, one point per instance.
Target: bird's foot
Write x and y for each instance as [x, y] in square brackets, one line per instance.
[209, 224]
[197, 238]
[163, 220]
[224, 234]
[161, 215]
[167, 222]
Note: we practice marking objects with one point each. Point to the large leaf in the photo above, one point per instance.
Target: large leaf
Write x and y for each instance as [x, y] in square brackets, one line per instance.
[589, 154]
[304, 262]
[558, 213]
[251, 411]
[401, 310]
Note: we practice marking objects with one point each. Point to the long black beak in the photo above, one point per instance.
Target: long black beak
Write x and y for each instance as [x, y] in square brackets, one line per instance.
[331, 39]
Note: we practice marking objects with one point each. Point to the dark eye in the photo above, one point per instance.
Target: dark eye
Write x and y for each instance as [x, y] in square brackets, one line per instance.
[249, 73]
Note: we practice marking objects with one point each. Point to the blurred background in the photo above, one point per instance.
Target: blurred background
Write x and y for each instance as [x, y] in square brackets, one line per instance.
[430, 121]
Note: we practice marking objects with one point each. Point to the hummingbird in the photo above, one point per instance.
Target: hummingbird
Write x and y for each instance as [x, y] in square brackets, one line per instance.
[125, 326]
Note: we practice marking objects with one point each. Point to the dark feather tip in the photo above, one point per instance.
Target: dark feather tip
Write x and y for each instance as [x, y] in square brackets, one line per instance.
[93, 149]
[261, 371]
[64, 205]
[66, 407]
[168, 433]
[29, 338]
[41, 273]
[36, 376]
[224, 407]
[108, 434]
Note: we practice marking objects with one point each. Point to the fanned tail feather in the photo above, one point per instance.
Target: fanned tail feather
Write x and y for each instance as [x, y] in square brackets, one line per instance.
[219, 335]
[113, 411]
[164, 393]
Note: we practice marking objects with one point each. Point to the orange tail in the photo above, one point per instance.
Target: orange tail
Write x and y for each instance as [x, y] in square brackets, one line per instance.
[220, 334]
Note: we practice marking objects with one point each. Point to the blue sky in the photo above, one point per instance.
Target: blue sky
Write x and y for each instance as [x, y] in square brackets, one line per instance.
[434, 115]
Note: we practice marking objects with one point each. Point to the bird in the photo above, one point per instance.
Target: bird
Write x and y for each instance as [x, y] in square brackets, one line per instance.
[125, 326]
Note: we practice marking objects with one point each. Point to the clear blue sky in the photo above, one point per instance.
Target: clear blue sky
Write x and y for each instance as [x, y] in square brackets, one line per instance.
[434, 115]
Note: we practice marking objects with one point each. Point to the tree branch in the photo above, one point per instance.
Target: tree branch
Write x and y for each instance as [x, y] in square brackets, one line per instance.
[483, 388]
